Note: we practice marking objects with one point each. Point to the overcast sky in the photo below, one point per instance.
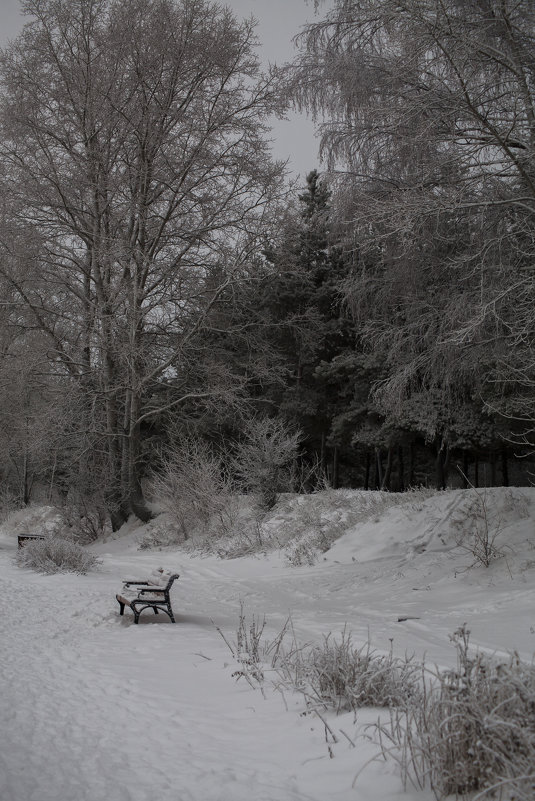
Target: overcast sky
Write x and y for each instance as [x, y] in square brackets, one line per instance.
[278, 22]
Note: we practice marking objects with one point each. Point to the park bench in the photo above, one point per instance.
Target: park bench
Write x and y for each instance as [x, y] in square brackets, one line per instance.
[150, 596]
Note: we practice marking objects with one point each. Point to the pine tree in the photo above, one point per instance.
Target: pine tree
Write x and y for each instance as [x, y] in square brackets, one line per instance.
[312, 328]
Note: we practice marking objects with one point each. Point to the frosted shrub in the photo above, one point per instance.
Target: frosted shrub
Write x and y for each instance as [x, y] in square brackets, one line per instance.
[56, 555]
[463, 732]
[315, 525]
[479, 530]
[8, 503]
[472, 731]
[303, 552]
[349, 677]
[375, 503]
[265, 459]
[343, 677]
[245, 538]
[159, 533]
[84, 520]
[34, 520]
[194, 489]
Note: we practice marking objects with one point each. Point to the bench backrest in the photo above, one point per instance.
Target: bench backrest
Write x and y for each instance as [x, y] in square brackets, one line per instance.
[172, 578]
[159, 589]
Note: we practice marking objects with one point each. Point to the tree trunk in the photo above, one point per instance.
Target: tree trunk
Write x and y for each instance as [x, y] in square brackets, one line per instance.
[466, 468]
[323, 457]
[442, 464]
[401, 469]
[26, 484]
[136, 499]
[367, 471]
[335, 467]
[505, 467]
[113, 492]
[411, 465]
[378, 469]
[493, 481]
[52, 477]
[385, 483]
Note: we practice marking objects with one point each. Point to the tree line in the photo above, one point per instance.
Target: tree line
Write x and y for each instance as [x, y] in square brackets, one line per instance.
[161, 281]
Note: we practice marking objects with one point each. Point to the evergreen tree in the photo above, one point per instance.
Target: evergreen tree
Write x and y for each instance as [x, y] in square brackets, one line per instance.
[311, 326]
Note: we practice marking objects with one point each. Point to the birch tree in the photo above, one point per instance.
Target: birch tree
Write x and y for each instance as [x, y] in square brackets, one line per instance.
[133, 150]
[427, 115]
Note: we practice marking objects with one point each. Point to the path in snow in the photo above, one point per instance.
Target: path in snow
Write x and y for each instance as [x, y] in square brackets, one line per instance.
[81, 720]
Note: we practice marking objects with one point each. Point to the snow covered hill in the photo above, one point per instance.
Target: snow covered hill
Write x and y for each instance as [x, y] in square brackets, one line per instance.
[94, 708]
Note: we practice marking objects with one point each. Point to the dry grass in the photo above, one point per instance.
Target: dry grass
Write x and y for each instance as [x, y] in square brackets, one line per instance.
[335, 675]
[341, 677]
[472, 730]
[467, 732]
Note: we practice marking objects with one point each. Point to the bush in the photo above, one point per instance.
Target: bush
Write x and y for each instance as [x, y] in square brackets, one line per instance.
[160, 533]
[472, 730]
[266, 457]
[9, 503]
[343, 677]
[479, 530]
[314, 525]
[244, 539]
[349, 678]
[84, 520]
[56, 555]
[193, 488]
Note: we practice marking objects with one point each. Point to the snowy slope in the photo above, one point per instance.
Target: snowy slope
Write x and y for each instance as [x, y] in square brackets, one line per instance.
[94, 708]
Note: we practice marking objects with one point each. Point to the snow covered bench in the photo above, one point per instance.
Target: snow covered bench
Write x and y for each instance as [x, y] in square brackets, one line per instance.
[152, 594]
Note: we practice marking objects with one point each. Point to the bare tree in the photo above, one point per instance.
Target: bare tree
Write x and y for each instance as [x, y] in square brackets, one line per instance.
[132, 144]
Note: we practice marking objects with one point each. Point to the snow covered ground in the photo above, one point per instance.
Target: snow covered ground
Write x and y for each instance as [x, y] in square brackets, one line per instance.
[94, 708]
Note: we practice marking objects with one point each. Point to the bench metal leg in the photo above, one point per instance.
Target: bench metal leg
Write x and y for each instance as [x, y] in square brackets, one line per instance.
[139, 605]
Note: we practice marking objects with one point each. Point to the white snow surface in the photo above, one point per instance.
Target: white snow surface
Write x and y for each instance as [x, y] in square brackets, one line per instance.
[95, 708]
